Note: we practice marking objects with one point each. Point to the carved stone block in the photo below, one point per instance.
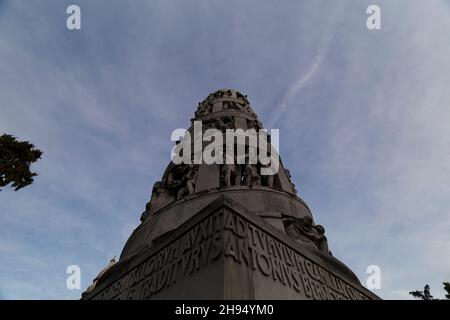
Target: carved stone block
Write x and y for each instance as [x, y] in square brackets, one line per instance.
[240, 123]
[208, 177]
[223, 252]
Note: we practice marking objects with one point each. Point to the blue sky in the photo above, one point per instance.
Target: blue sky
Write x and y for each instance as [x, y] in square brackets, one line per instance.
[363, 118]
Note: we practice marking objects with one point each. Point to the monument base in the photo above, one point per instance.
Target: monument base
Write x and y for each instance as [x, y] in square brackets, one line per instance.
[226, 252]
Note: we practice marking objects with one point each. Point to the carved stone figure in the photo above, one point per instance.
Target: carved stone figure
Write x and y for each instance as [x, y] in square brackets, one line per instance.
[221, 124]
[219, 94]
[242, 97]
[229, 172]
[224, 123]
[304, 230]
[209, 107]
[254, 124]
[221, 233]
[188, 182]
[268, 179]
[251, 176]
[174, 178]
[322, 244]
[203, 109]
[180, 181]
[159, 198]
[101, 273]
[207, 124]
[231, 105]
[146, 213]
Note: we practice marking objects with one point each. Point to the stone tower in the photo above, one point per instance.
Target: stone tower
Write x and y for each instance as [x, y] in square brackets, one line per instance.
[225, 231]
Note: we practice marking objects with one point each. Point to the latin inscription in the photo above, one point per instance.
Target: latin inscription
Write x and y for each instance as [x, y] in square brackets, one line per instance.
[236, 239]
[184, 256]
[245, 243]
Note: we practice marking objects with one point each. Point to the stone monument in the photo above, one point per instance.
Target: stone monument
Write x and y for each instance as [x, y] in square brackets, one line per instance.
[225, 231]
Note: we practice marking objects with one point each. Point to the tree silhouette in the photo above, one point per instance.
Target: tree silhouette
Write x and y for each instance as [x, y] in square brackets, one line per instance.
[15, 160]
[447, 289]
[422, 295]
[426, 294]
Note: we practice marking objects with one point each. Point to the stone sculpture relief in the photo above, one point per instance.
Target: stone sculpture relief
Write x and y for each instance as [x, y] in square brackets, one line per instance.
[267, 180]
[222, 124]
[179, 183]
[245, 175]
[160, 197]
[188, 181]
[251, 176]
[304, 230]
[203, 109]
[180, 180]
[101, 273]
[230, 173]
[254, 124]
[237, 102]
[231, 105]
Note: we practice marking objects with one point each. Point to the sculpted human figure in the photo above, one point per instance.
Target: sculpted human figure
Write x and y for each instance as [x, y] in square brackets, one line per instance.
[242, 97]
[159, 198]
[188, 182]
[304, 230]
[231, 105]
[268, 179]
[221, 124]
[251, 176]
[209, 107]
[200, 111]
[173, 180]
[101, 273]
[321, 240]
[203, 109]
[239, 95]
[219, 94]
[229, 171]
[180, 181]
[254, 124]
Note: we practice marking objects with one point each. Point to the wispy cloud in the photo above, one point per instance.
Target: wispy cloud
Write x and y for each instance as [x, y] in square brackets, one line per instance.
[312, 69]
[367, 142]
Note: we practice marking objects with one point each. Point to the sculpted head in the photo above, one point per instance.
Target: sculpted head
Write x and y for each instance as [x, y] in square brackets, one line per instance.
[320, 229]
[308, 220]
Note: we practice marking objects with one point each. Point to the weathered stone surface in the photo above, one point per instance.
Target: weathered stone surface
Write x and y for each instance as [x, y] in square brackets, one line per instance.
[226, 231]
[225, 252]
[241, 123]
[208, 178]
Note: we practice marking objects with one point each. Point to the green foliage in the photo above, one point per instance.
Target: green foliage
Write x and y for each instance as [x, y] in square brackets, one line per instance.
[426, 294]
[15, 160]
[422, 295]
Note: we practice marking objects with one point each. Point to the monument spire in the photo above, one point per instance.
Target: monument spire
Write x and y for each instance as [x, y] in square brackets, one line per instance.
[223, 110]
[227, 230]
